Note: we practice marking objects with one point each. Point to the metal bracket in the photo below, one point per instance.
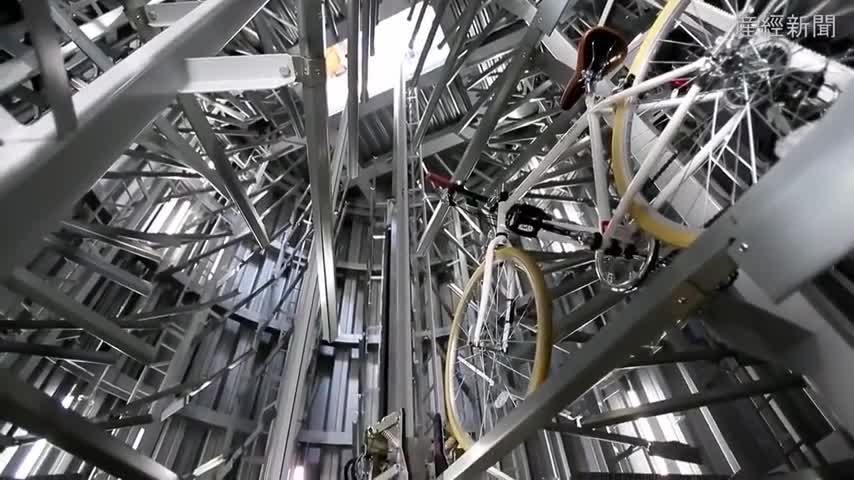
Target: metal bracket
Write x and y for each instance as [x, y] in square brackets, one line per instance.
[384, 443]
[166, 14]
[386, 423]
[548, 14]
[238, 73]
[310, 71]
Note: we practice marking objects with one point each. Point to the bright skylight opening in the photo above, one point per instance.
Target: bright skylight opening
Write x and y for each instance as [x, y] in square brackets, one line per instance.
[391, 43]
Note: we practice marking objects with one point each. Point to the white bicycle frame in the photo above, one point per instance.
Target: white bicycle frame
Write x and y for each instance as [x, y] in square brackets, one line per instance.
[592, 121]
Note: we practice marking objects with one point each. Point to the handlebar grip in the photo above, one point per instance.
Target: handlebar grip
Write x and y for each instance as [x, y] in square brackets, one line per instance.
[439, 181]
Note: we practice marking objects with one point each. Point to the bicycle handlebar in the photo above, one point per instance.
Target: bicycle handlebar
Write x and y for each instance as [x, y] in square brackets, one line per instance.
[453, 188]
[440, 181]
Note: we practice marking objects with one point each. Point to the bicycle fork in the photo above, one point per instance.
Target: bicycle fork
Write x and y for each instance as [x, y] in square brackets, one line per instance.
[483, 306]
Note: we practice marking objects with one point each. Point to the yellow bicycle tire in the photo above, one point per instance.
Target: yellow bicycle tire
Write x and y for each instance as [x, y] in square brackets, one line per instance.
[647, 218]
[543, 347]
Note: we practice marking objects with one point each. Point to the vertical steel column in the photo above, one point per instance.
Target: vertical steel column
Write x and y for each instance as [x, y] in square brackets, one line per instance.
[547, 16]
[365, 47]
[400, 394]
[312, 74]
[282, 439]
[352, 89]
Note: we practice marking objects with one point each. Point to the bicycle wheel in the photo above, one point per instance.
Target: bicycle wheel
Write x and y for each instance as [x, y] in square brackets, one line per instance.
[763, 87]
[486, 377]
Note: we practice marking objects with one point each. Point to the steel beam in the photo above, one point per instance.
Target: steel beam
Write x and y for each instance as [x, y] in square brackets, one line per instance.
[112, 110]
[85, 230]
[152, 324]
[216, 153]
[319, 437]
[497, 47]
[573, 283]
[23, 405]
[99, 265]
[544, 22]
[695, 400]
[54, 78]
[61, 476]
[57, 351]
[693, 355]
[439, 11]
[672, 450]
[312, 74]
[168, 13]
[124, 422]
[555, 42]
[167, 312]
[433, 144]
[587, 312]
[31, 286]
[98, 230]
[282, 440]
[400, 388]
[244, 72]
[573, 260]
[353, 88]
[447, 70]
[17, 70]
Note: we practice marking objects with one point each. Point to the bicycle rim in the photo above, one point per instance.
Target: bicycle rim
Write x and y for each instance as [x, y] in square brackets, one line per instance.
[457, 341]
[741, 117]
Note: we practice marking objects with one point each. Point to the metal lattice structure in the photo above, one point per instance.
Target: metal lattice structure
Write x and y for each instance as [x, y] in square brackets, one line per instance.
[221, 257]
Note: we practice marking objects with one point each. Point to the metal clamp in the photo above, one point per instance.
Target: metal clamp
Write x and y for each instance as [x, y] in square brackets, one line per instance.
[384, 446]
[310, 71]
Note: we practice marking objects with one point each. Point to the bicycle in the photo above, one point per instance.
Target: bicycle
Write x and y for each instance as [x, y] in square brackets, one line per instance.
[505, 308]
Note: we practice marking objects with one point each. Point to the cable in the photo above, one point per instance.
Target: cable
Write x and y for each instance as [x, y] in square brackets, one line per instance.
[349, 474]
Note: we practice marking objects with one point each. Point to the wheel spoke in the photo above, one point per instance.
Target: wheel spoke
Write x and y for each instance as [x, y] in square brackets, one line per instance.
[485, 376]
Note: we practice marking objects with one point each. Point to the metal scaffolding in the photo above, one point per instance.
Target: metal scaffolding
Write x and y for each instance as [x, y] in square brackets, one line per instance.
[223, 258]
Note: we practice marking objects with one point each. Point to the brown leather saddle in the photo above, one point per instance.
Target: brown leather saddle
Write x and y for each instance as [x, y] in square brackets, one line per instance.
[600, 51]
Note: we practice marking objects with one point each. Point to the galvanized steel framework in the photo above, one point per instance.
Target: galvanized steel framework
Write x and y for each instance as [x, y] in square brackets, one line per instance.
[171, 272]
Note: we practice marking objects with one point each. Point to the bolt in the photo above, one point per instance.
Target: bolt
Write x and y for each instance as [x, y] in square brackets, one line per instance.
[285, 71]
[152, 15]
[743, 247]
[681, 300]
